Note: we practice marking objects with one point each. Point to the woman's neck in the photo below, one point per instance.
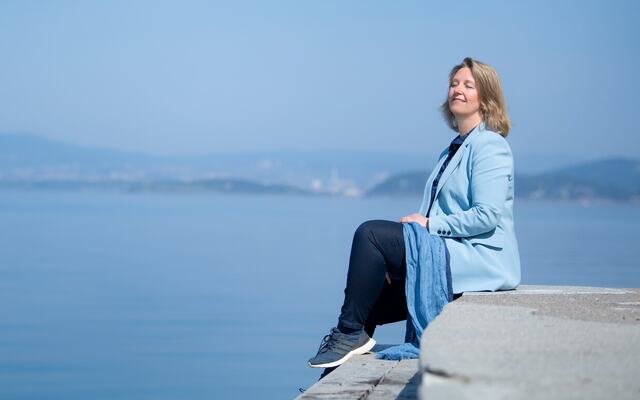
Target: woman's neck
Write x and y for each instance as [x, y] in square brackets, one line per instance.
[467, 123]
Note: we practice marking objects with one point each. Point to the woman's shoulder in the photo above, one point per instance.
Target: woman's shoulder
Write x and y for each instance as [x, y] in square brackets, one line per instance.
[489, 138]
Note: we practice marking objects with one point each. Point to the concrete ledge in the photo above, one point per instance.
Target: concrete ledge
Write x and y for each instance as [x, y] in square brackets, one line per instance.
[537, 342]
[364, 377]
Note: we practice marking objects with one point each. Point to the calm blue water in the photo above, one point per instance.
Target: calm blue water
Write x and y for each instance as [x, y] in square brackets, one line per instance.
[107, 296]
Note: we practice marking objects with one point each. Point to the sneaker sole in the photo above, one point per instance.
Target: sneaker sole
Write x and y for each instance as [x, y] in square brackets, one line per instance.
[360, 350]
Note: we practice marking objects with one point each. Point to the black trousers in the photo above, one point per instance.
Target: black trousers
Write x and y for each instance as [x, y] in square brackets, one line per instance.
[369, 300]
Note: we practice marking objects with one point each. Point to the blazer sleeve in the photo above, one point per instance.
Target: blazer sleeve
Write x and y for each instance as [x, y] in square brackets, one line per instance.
[491, 169]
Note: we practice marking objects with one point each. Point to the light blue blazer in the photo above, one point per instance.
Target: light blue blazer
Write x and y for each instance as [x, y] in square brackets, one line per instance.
[473, 212]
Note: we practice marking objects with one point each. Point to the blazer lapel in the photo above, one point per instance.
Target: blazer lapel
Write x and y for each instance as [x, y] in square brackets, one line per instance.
[434, 172]
[455, 161]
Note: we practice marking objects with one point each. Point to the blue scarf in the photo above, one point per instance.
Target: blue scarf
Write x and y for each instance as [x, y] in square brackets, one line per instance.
[428, 287]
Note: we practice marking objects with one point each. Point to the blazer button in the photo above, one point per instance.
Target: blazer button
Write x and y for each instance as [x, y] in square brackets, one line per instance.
[449, 233]
[439, 232]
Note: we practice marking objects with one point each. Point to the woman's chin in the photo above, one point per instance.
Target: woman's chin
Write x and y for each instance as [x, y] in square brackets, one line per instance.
[458, 114]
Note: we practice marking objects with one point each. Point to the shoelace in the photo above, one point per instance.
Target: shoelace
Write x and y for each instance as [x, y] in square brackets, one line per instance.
[333, 342]
[325, 344]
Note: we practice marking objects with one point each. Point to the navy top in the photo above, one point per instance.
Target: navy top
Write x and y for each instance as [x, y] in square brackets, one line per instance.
[453, 147]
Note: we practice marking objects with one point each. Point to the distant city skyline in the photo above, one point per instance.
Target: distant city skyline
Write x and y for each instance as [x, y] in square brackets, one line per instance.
[196, 77]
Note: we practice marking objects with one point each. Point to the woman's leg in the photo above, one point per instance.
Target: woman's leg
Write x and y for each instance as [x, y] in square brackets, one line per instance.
[378, 248]
[391, 307]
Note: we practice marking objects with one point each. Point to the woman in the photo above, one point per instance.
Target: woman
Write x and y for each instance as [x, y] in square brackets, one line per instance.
[467, 205]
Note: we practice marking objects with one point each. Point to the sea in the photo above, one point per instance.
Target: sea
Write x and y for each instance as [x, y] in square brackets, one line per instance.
[211, 296]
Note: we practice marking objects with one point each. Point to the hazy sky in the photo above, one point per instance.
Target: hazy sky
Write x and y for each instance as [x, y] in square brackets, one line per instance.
[186, 77]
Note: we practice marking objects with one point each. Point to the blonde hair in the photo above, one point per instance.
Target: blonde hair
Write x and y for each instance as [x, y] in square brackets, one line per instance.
[492, 105]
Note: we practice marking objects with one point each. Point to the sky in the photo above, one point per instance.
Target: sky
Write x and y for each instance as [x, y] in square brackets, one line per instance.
[200, 77]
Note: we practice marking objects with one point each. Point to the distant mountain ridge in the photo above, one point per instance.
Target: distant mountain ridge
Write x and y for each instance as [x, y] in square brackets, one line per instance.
[34, 162]
[28, 150]
[613, 179]
[31, 157]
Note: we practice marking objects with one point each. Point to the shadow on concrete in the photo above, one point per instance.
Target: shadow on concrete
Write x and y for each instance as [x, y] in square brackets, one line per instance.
[410, 391]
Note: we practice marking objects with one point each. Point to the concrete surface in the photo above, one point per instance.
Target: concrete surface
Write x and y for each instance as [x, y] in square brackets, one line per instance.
[364, 377]
[536, 342]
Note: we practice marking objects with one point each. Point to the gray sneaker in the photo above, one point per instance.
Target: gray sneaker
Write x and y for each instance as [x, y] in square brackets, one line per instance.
[338, 347]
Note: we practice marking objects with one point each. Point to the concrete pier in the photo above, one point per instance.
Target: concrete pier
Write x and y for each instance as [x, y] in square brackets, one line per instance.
[536, 342]
[364, 377]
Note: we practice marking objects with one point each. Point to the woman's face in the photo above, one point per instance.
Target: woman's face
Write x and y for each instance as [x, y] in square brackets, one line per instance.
[463, 95]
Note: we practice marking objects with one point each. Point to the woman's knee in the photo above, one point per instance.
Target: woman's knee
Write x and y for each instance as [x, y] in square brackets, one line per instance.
[367, 228]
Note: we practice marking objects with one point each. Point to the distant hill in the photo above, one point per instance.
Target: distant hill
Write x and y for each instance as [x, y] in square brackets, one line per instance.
[216, 185]
[34, 162]
[615, 179]
[404, 184]
[30, 157]
[221, 185]
[33, 151]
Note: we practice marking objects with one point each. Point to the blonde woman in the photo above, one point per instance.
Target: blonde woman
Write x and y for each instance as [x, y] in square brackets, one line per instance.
[461, 239]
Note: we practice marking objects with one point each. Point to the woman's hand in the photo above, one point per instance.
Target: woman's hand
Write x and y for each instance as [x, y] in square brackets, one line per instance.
[419, 218]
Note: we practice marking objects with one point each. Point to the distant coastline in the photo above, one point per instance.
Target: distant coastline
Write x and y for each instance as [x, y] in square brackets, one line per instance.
[33, 163]
[615, 179]
[548, 186]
